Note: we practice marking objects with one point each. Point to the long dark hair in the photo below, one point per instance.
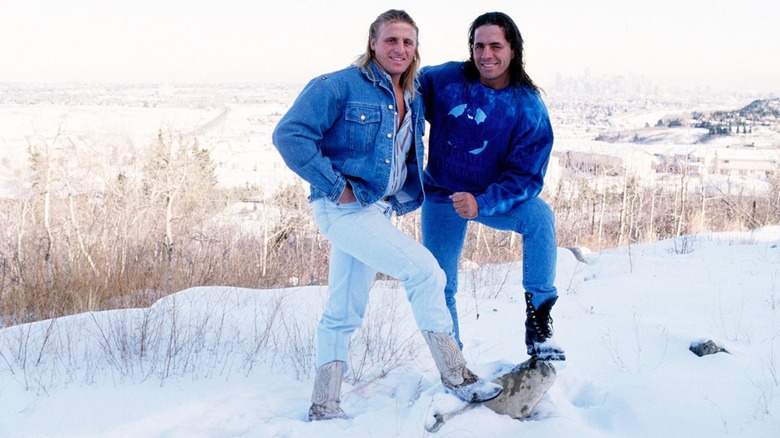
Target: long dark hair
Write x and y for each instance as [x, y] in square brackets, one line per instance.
[393, 15]
[517, 73]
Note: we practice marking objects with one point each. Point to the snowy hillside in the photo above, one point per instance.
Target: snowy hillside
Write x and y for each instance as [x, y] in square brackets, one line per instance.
[225, 362]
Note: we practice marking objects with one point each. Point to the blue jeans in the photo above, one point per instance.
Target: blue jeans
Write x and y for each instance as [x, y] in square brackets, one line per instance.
[365, 242]
[443, 233]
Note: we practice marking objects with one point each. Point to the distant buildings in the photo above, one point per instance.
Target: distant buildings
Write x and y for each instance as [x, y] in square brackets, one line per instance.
[620, 85]
[743, 162]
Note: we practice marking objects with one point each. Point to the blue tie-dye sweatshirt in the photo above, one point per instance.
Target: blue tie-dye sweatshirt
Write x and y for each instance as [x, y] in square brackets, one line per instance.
[494, 144]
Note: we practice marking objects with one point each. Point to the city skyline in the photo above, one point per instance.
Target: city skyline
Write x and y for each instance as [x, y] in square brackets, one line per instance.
[706, 45]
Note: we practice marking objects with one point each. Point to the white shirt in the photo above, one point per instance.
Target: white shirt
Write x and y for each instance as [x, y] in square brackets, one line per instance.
[403, 143]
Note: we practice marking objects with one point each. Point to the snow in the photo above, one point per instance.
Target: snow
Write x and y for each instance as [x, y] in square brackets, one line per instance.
[229, 362]
[104, 128]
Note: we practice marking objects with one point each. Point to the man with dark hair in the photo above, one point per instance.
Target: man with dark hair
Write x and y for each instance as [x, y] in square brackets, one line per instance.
[489, 147]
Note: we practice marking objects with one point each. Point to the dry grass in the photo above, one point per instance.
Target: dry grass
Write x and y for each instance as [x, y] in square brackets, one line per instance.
[103, 257]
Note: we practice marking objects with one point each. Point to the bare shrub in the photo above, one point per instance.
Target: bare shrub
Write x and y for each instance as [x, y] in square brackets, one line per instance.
[151, 230]
[384, 342]
[203, 333]
[104, 250]
[607, 211]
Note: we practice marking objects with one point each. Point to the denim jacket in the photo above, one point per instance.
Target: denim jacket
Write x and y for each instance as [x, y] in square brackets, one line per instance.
[341, 128]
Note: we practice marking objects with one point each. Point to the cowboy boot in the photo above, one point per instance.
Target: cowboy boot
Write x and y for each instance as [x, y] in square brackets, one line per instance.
[325, 396]
[454, 374]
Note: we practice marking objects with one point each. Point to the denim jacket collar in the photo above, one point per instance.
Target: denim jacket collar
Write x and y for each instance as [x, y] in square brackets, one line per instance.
[378, 75]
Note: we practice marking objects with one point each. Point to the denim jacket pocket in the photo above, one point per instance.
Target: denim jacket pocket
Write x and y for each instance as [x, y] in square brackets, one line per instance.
[364, 122]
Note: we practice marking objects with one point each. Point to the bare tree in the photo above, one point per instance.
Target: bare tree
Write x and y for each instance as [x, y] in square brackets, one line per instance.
[41, 163]
[179, 179]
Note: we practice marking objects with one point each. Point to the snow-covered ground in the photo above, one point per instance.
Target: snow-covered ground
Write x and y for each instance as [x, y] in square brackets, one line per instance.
[226, 362]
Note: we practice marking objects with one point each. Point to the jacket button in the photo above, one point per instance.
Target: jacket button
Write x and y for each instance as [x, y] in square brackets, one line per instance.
[362, 117]
[389, 106]
[387, 161]
[389, 135]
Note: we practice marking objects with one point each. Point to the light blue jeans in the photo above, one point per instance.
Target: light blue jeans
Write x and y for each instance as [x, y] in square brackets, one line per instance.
[443, 233]
[365, 242]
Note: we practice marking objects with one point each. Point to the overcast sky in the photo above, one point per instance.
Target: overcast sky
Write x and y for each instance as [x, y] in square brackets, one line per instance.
[671, 42]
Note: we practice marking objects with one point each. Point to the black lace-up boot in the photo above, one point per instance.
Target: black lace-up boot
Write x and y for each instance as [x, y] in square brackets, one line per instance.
[539, 331]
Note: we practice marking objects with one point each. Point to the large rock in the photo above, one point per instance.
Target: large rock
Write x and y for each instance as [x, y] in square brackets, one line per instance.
[524, 386]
